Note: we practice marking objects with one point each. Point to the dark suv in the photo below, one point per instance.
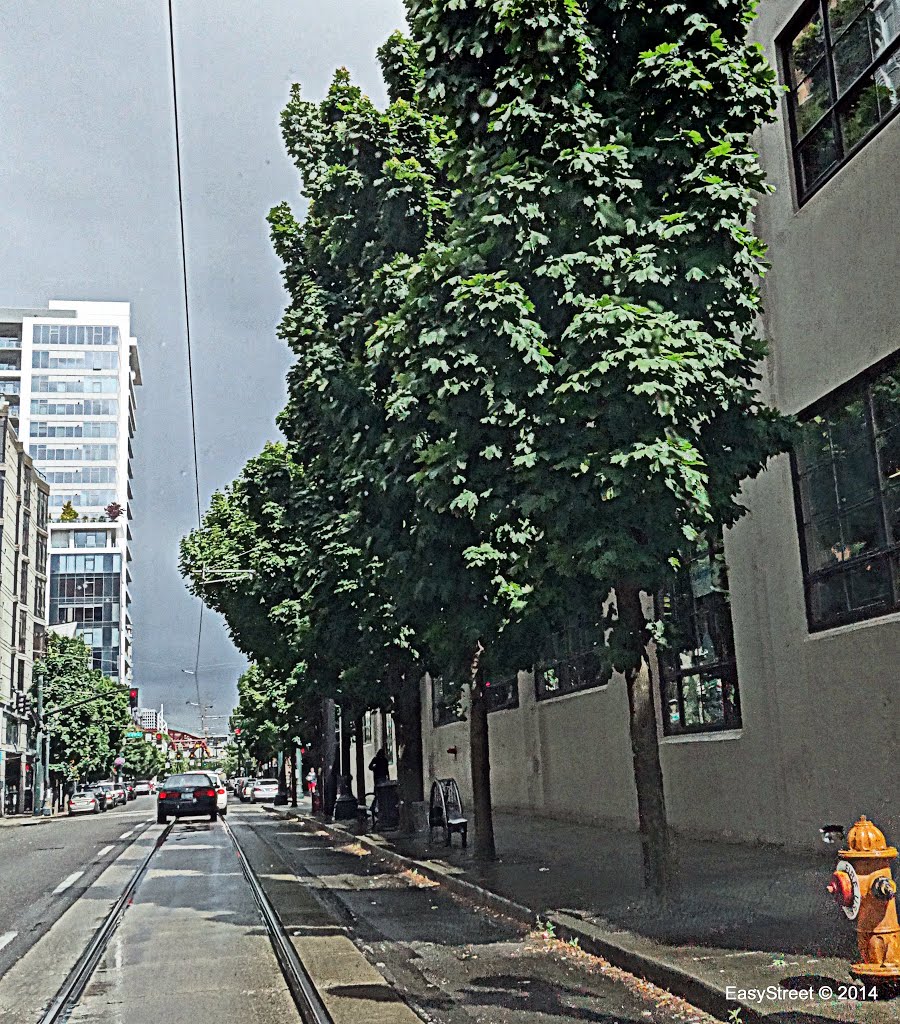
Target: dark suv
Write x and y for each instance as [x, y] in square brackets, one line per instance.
[186, 796]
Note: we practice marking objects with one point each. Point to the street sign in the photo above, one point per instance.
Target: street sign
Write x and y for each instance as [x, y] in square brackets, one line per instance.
[134, 735]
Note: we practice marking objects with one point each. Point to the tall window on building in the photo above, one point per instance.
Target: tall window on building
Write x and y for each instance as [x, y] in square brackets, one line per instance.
[842, 70]
[847, 472]
[697, 664]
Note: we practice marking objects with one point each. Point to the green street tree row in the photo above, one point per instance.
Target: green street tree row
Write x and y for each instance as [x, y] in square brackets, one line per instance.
[523, 305]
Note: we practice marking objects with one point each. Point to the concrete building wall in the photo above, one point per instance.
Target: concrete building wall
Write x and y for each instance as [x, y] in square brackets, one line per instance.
[820, 710]
[23, 574]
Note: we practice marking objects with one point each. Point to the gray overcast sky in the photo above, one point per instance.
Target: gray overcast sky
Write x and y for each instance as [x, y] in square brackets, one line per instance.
[88, 206]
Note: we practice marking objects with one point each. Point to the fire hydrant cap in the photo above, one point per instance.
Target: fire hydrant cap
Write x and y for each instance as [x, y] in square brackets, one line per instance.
[841, 888]
[865, 839]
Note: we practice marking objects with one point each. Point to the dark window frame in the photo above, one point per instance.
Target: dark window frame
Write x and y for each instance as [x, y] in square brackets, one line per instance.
[576, 665]
[843, 153]
[889, 551]
[502, 694]
[443, 713]
[675, 677]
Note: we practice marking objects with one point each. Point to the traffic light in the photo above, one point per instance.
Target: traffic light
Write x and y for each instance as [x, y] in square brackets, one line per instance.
[133, 698]
[237, 732]
[21, 703]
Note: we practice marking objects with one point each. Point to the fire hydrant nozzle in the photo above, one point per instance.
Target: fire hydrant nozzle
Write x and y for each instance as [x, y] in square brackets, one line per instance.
[884, 888]
[841, 888]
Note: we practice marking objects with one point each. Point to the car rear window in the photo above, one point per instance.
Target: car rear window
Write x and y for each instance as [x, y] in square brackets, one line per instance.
[266, 782]
[187, 780]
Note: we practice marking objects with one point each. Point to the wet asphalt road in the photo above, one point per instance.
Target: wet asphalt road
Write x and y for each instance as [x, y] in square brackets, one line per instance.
[191, 947]
[453, 963]
[382, 948]
[46, 867]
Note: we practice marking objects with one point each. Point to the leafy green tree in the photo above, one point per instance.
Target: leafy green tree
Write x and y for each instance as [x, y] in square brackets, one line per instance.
[87, 713]
[68, 513]
[602, 153]
[298, 516]
[143, 760]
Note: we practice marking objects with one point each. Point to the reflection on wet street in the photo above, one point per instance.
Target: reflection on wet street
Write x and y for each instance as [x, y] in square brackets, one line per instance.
[192, 946]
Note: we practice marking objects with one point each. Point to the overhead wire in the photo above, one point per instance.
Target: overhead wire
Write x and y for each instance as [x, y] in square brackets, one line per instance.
[187, 327]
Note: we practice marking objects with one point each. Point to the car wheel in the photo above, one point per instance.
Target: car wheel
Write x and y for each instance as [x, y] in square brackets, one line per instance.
[223, 812]
[213, 815]
[71, 814]
[96, 808]
[161, 818]
[253, 799]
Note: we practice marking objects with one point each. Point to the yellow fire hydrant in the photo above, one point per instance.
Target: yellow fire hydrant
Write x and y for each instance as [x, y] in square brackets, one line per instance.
[863, 887]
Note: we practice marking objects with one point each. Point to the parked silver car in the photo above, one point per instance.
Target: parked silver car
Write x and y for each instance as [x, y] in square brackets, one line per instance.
[86, 801]
[263, 789]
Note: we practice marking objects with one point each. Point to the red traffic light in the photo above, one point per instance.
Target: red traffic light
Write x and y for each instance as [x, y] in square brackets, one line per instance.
[132, 694]
[158, 737]
[237, 732]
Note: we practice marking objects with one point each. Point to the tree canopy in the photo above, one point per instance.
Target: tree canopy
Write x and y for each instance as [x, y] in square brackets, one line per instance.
[85, 737]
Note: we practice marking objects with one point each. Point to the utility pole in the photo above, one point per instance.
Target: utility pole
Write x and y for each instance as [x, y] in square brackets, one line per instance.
[41, 766]
[329, 781]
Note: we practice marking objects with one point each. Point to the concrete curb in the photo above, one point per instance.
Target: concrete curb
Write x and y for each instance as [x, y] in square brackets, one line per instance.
[591, 938]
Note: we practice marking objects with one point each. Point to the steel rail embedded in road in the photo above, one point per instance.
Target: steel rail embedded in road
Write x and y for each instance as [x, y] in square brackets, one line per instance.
[81, 973]
[309, 1003]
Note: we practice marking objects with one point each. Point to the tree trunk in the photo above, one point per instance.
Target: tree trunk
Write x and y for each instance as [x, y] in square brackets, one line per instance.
[480, 761]
[656, 847]
[293, 786]
[410, 767]
[360, 729]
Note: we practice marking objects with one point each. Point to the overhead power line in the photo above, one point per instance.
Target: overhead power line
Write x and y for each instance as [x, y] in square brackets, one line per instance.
[187, 328]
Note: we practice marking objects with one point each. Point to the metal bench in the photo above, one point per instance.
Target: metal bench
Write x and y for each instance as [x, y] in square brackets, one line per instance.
[445, 811]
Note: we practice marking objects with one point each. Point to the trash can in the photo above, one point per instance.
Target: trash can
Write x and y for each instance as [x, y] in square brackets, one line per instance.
[387, 805]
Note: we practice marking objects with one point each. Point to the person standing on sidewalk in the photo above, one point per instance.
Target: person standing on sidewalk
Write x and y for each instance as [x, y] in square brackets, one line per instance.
[378, 766]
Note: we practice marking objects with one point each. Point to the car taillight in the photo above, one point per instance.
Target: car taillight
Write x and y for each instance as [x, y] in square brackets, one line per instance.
[162, 794]
[220, 791]
[204, 792]
[92, 801]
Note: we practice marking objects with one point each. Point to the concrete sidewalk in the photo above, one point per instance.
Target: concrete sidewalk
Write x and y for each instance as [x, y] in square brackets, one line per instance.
[27, 819]
[743, 918]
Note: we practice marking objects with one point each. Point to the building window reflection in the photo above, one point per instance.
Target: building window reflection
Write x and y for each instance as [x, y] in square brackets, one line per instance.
[847, 477]
[696, 658]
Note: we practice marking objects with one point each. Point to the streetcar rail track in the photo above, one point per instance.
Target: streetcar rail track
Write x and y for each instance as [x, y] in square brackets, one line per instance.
[78, 978]
[303, 991]
[306, 997]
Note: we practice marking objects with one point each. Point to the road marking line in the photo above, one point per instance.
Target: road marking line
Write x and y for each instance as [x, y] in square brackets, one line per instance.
[7, 938]
[127, 835]
[66, 882]
[103, 852]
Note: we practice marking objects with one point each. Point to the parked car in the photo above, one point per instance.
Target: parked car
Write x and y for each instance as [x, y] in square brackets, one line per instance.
[221, 792]
[142, 787]
[244, 793]
[115, 794]
[86, 801]
[263, 789]
[187, 795]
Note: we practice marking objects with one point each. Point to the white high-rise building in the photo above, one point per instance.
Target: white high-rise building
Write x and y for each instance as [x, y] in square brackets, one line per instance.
[69, 374]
